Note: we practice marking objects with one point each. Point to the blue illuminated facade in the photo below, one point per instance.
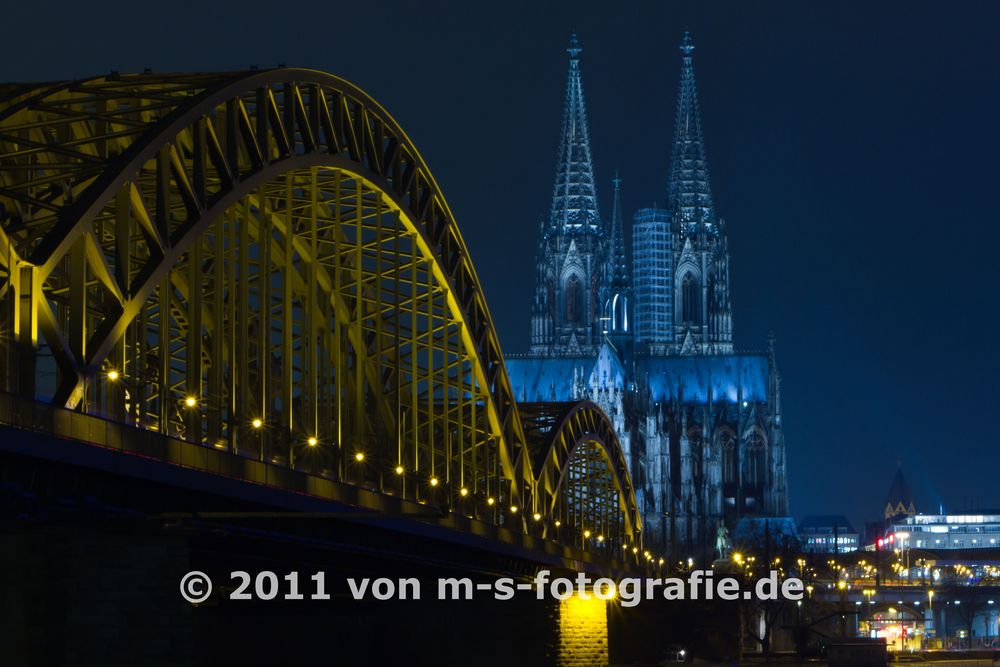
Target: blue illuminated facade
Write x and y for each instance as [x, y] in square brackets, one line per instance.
[652, 343]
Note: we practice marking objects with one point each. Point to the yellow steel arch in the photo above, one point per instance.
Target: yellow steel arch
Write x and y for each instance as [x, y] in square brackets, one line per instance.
[257, 261]
[581, 473]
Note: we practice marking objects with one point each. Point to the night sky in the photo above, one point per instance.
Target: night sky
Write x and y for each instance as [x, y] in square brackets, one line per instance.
[853, 151]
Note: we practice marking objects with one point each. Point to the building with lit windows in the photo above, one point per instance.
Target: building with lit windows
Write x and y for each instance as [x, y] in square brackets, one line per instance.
[828, 534]
[950, 531]
[652, 343]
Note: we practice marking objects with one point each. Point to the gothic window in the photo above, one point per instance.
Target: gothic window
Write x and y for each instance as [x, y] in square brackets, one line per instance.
[690, 299]
[574, 300]
[756, 460]
[728, 443]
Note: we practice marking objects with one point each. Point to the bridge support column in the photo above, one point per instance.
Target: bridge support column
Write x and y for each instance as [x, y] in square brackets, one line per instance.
[583, 633]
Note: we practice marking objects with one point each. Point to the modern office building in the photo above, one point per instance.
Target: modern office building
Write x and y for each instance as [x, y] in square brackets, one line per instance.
[978, 530]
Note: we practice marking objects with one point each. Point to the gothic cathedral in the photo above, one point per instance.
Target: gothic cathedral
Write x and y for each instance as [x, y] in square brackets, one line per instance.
[651, 341]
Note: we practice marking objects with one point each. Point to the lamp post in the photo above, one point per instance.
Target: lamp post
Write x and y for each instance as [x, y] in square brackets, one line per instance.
[930, 612]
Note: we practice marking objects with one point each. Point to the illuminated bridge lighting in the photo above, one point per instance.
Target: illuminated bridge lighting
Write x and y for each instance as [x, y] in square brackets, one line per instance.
[332, 202]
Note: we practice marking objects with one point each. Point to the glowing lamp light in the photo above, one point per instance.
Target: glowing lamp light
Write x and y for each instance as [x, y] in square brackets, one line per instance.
[112, 375]
[359, 457]
[661, 560]
[600, 538]
[190, 401]
[536, 516]
[463, 492]
[490, 501]
[586, 534]
[635, 550]
[257, 423]
[312, 441]
[434, 481]
[400, 470]
[513, 509]
[558, 523]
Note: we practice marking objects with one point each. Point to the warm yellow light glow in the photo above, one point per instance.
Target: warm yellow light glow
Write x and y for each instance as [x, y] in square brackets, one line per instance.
[399, 470]
[513, 509]
[359, 457]
[190, 401]
[558, 523]
[112, 375]
[585, 618]
[586, 534]
[313, 441]
[257, 423]
[490, 501]
[841, 584]
[463, 492]
[600, 538]
[537, 516]
[661, 560]
[635, 550]
[434, 481]
[737, 556]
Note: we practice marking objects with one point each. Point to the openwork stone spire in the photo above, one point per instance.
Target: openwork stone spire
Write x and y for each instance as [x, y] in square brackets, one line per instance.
[690, 194]
[574, 198]
[619, 268]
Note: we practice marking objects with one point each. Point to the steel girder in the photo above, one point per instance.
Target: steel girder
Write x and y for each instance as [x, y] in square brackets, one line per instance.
[250, 261]
[581, 472]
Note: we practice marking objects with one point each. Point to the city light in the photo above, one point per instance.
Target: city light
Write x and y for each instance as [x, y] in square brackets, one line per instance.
[558, 523]
[600, 538]
[513, 509]
[433, 481]
[536, 516]
[400, 470]
[463, 492]
[586, 534]
[112, 375]
[257, 422]
[490, 501]
[190, 401]
[359, 457]
[312, 441]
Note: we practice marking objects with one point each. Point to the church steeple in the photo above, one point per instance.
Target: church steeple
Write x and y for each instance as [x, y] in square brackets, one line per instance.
[690, 193]
[574, 197]
[619, 269]
[617, 310]
[574, 265]
[702, 317]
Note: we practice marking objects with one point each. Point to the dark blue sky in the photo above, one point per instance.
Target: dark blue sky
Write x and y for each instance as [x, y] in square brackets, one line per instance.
[854, 153]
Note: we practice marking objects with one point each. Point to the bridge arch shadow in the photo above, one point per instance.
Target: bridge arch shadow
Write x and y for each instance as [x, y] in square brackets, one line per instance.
[262, 263]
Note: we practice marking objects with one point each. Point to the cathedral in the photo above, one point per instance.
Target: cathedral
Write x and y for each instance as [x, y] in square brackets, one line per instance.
[651, 340]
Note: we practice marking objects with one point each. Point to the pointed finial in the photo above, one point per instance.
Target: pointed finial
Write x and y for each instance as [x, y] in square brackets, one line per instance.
[574, 49]
[687, 47]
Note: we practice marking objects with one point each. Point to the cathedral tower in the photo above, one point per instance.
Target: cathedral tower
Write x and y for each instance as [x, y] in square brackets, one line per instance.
[573, 265]
[702, 317]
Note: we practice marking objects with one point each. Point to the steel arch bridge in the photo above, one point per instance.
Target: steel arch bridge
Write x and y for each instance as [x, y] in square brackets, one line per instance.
[261, 263]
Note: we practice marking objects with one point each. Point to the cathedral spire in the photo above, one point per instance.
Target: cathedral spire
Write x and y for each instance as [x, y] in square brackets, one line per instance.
[619, 269]
[690, 194]
[574, 198]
